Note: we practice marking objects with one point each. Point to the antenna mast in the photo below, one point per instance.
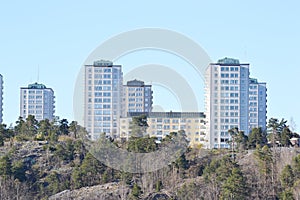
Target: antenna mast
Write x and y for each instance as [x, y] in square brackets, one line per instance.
[38, 73]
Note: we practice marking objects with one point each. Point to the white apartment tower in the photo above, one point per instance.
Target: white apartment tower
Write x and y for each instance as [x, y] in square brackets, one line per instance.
[1, 99]
[37, 100]
[257, 104]
[103, 98]
[226, 100]
[137, 97]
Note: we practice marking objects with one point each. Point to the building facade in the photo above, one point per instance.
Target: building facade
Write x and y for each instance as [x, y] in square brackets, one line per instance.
[232, 99]
[226, 100]
[103, 98]
[37, 100]
[257, 104]
[1, 99]
[163, 123]
[137, 97]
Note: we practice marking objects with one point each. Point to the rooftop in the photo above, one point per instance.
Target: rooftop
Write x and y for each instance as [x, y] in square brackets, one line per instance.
[229, 61]
[135, 83]
[253, 80]
[168, 114]
[103, 63]
[36, 86]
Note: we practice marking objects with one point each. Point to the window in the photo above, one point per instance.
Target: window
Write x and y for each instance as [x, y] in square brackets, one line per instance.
[234, 94]
[106, 100]
[224, 75]
[225, 94]
[106, 112]
[106, 118]
[166, 120]
[224, 81]
[175, 127]
[131, 99]
[107, 76]
[224, 101]
[98, 70]
[98, 88]
[225, 88]
[98, 100]
[106, 88]
[106, 106]
[106, 82]
[175, 121]
[106, 94]
[224, 68]
[234, 82]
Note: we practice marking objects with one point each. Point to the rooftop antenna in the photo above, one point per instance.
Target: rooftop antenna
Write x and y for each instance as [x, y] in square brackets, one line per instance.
[245, 54]
[38, 74]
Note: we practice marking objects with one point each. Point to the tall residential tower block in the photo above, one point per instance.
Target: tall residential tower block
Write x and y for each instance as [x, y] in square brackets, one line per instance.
[37, 100]
[103, 98]
[232, 100]
[137, 97]
[257, 104]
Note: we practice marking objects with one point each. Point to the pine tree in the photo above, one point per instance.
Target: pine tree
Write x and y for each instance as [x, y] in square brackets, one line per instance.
[235, 186]
[287, 177]
[5, 166]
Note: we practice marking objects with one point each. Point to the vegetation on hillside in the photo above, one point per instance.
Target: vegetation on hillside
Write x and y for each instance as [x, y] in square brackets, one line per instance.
[40, 159]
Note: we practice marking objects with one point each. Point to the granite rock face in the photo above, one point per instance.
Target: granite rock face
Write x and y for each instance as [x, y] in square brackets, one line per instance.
[109, 191]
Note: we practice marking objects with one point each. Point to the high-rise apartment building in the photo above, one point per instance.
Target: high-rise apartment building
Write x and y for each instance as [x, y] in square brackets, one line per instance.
[257, 104]
[232, 99]
[226, 100]
[37, 100]
[103, 98]
[1, 99]
[137, 97]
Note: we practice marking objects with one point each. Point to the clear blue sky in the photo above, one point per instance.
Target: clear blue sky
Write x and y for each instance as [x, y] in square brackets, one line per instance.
[58, 36]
